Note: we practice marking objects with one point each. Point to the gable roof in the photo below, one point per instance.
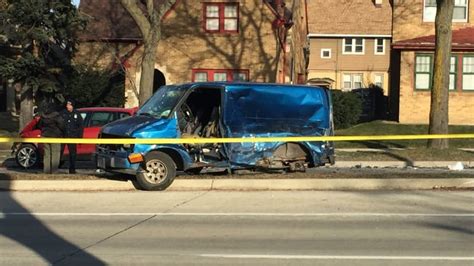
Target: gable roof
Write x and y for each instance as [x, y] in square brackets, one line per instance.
[109, 21]
[358, 17]
[462, 39]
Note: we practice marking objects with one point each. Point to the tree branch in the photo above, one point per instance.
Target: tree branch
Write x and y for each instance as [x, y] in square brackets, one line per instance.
[165, 7]
[150, 8]
[134, 10]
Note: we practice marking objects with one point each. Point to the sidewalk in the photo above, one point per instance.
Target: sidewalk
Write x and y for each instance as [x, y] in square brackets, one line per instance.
[326, 178]
[344, 175]
[244, 184]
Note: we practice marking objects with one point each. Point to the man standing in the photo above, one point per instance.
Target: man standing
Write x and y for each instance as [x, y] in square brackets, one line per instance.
[74, 129]
[51, 125]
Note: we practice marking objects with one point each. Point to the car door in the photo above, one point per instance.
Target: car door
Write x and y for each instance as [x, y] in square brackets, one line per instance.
[93, 123]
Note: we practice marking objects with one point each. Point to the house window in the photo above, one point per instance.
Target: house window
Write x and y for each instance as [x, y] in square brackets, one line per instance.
[423, 72]
[378, 80]
[221, 17]
[325, 53]
[468, 73]
[351, 81]
[452, 73]
[204, 75]
[459, 14]
[353, 46]
[379, 46]
[200, 77]
[460, 10]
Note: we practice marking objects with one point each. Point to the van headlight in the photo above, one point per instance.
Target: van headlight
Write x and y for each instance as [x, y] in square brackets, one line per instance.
[127, 146]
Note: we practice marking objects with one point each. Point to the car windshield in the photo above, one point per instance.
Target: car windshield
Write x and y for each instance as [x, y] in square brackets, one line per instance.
[163, 101]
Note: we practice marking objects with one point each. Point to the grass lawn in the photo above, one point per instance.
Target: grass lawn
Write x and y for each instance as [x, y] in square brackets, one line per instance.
[392, 128]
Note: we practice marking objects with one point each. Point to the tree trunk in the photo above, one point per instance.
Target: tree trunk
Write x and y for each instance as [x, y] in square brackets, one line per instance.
[148, 70]
[26, 106]
[11, 98]
[439, 112]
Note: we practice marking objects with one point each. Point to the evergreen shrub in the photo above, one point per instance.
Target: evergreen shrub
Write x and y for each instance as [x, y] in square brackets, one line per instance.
[92, 87]
[347, 108]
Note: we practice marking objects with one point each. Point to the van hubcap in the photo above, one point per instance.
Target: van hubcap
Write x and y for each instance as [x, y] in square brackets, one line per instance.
[155, 171]
[27, 157]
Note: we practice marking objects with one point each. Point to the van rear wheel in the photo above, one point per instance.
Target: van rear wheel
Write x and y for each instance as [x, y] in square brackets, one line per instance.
[157, 172]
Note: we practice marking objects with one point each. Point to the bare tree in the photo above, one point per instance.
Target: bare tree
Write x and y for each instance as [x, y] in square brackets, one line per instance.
[440, 89]
[148, 18]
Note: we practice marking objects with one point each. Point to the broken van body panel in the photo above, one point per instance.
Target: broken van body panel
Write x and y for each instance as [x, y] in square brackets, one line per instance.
[237, 110]
[287, 111]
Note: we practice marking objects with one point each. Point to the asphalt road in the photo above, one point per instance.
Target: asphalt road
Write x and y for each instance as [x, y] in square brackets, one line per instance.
[251, 228]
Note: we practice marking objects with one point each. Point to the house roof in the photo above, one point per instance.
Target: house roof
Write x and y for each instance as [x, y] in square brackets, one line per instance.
[462, 39]
[358, 17]
[109, 21]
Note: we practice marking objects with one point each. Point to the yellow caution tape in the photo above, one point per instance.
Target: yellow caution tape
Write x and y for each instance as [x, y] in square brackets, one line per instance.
[232, 140]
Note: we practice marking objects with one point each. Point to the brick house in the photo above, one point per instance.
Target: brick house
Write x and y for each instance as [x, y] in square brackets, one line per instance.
[238, 40]
[350, 43]
[412, 58]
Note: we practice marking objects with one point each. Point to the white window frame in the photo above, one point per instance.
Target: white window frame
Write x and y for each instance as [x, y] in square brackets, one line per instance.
[432, 19]
[352, 75]
[466, 74]
[353, 46]
[376, 46]
[382, 79]
[326, 50]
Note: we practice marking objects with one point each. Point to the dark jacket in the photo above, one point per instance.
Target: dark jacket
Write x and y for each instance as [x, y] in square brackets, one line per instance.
[73, 124]
[51, 125]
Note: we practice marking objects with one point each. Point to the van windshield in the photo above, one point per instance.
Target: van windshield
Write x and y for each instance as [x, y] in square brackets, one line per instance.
[163, 101]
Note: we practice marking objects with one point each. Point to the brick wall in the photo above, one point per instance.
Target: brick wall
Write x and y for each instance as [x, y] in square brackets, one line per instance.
[408, 20]
[415, 105]
[186, 46]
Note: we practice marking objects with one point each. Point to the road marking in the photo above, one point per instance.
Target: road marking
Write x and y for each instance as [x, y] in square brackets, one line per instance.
[349, 214]
[335, 257]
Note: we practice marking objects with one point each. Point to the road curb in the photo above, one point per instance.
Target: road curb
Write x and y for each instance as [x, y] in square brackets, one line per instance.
[401, 164]
[245, 184]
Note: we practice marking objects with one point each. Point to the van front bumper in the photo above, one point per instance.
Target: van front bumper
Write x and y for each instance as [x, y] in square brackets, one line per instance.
[113, 161]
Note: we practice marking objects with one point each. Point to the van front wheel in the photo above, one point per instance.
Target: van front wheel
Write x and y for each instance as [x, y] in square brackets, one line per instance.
[157, 172]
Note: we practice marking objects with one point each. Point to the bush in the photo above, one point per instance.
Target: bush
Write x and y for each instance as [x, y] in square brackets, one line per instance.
[90, 87]
[347, 108]
[374, 103]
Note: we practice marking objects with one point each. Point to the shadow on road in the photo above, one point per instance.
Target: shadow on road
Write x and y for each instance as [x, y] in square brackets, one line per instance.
[19, 225]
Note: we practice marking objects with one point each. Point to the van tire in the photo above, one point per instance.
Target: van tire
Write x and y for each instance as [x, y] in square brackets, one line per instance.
[157, 172]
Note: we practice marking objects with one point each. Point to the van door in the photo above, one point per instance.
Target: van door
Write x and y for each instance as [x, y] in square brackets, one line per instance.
[199, 116]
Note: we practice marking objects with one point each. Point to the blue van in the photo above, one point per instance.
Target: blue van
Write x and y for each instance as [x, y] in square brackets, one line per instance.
[227, 110]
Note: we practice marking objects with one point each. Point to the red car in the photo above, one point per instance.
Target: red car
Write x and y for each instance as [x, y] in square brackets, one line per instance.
[29, 155]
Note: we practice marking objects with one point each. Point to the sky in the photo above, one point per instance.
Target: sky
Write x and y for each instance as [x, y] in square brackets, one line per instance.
[76, 2]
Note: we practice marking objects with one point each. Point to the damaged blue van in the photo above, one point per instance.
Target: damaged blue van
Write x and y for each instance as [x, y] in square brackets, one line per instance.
[227, 110]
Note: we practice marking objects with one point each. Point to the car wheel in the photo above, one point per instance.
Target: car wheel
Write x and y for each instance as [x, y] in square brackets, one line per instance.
[157, 172]
[27, 156]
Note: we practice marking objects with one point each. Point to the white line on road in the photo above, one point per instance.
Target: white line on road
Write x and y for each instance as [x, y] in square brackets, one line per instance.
[335, 257]
[348, 214]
